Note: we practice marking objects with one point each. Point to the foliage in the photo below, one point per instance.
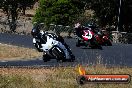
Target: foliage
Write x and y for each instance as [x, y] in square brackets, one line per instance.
[107, 11]
[127, 15]
[104, 10]
[12, 7]
[60, 12]
[26, 3]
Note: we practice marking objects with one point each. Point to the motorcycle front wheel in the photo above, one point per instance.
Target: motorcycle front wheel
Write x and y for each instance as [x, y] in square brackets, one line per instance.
[46, 58]
[78, 43]
[94, 44]
[59, 54]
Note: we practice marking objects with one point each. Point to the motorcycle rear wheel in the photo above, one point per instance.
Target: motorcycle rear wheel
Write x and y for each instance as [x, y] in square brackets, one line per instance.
[108, 42]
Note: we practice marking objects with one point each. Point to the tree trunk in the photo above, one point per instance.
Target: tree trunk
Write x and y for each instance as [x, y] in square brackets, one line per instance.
[24, 8]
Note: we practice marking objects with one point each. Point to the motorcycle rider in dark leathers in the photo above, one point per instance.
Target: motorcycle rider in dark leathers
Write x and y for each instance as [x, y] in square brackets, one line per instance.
[79, 30]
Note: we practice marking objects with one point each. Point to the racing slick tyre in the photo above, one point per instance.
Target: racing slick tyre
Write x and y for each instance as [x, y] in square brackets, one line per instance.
[78, 43]
[108, 43]
[100, 47]
[72, 57]
[46, 58]
[59, 53]
[95, 44]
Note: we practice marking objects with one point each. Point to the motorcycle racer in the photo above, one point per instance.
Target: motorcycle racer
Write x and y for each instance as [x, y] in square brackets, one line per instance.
[46, 39]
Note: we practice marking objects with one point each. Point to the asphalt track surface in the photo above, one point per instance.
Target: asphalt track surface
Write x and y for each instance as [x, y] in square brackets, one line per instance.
[116, 55]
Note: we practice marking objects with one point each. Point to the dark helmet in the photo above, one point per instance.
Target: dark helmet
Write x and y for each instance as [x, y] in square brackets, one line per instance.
[92, 25]
[35, 31]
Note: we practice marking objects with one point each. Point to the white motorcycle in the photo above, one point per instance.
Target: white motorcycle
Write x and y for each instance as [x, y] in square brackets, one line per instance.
[53, 48]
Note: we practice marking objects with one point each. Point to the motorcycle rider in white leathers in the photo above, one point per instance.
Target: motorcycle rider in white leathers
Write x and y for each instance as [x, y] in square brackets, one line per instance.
[47, 40]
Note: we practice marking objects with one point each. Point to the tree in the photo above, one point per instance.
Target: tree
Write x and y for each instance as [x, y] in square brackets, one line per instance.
[23, 4]
[12, 7]
[127, 15]
[107, 12]
[60, 12]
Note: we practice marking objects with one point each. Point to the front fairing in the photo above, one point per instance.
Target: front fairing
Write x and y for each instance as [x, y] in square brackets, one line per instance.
[49, 44]
[87, 35]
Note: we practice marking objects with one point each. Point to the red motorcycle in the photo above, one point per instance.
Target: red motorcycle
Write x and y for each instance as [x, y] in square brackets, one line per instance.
[103, 39]
[88, 39]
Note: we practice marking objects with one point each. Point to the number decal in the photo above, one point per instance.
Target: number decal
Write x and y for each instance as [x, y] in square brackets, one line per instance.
[87, 35]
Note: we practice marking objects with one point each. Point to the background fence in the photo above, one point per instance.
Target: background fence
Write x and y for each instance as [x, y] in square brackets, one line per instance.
[65, 31]
[24, 27]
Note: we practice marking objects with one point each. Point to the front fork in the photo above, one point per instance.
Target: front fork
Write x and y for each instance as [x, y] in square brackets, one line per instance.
[66, 50]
